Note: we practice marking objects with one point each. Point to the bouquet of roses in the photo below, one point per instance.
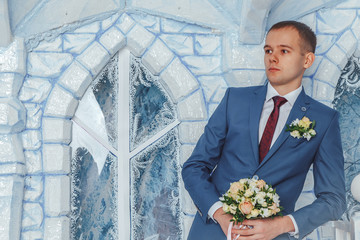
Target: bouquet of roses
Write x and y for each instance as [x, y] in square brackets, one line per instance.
[251, 199]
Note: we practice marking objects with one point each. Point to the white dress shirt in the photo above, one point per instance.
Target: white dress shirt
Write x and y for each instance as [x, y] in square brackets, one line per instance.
[283, 116]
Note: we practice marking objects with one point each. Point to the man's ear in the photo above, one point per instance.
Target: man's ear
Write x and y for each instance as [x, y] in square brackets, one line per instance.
[309, 59]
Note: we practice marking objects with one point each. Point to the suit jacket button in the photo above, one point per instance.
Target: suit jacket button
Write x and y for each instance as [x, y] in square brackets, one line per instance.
[255, 177]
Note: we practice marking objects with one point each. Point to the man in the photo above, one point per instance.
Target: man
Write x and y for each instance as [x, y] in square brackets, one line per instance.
[231, 147]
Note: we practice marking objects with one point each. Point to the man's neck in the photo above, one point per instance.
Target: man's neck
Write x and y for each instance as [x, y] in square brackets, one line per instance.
[283, 90]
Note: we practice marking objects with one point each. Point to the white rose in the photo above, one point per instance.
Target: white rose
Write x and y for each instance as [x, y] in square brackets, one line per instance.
[248, 193]
[295, 134]
[312, 132]
[226, 207]
[265, 212]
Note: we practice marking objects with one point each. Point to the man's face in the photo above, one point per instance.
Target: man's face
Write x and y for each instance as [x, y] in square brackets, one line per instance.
[285, 61]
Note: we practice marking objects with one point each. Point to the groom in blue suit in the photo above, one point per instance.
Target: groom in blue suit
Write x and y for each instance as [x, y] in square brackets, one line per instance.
[229, 148]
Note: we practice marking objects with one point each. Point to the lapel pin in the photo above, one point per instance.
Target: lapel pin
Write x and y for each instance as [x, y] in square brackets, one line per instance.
[303, 109]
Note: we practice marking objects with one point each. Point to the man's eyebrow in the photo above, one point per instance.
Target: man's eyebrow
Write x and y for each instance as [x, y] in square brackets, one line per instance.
[281, 45]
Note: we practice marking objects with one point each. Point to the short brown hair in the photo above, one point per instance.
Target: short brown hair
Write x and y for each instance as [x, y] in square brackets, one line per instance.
[307, 36]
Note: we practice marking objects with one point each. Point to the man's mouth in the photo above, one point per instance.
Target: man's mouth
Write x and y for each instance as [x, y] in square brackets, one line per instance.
[273, 69]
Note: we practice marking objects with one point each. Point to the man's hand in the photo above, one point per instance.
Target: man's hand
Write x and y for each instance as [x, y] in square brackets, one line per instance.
[264, 229]
[223, 219]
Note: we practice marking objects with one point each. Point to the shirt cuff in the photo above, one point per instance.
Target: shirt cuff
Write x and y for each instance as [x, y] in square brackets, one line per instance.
[296, 232]
[213, 209]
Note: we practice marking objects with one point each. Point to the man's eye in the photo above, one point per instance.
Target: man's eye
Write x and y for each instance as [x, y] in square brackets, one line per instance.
[285, 51]
[268, 51]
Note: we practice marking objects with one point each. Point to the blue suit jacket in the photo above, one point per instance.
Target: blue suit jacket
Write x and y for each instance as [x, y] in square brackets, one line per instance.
[228, 151]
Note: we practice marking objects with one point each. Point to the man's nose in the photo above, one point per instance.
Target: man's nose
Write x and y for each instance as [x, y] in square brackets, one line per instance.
[274, 58]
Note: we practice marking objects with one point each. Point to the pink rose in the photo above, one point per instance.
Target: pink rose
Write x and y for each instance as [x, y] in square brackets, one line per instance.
[261, 184]
[246, 207]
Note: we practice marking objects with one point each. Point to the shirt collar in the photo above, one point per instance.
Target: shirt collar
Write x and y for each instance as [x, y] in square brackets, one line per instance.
[290, 97]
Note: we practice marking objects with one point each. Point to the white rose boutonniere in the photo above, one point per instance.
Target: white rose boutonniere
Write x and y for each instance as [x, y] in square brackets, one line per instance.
[303, 128]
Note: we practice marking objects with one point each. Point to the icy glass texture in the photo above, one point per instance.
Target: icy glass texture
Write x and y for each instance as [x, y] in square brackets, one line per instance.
[105, 88]
[150, 107]
[155, 209]
[347, 102]
[94, 197]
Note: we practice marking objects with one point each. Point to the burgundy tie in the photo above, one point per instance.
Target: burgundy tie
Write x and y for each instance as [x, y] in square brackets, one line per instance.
[267, 136]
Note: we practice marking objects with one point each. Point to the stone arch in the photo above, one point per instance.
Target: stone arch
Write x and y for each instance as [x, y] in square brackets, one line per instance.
[63, 100]
[329, 69]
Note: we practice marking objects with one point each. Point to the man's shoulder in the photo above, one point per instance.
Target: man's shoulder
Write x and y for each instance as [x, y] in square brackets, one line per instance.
[321, 107]
[244, 90]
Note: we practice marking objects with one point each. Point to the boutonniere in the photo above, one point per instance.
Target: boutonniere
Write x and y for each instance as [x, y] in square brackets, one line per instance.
[303, 128]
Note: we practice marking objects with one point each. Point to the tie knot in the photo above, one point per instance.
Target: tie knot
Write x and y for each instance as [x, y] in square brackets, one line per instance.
[279, 101]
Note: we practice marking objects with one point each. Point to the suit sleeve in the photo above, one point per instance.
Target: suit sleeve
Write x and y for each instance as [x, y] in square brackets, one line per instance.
[329, 183]
[196, 172]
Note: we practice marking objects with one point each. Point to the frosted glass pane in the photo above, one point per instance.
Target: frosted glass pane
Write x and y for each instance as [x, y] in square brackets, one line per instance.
[150, 107]
[105, 89]
[347, 102]
[94, 197]
[155, 210]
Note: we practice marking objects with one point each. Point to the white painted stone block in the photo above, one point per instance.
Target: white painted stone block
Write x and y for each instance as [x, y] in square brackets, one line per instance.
[328, 72]
[201, 65]
[57, 130]
[113, 40]
[35, 90]
[337, 56]
[307, 83]
[348, 43]
[178, 43]
[245, 78]
[77, 43]
[33, 162]
[31, 235]
[178, 80]
[13, 57]
[32, 215]
[190, 132]
[57, 228]
[10, 84]
[213, 87]
[207, 45]
[324, 42]
[304, 200]
[33, 115]
[11, 195]
[356, 28]
[105, 24]
[94, 58]
[138, 39]
[50, 46]
[89, 28]
[60, 103]
[12, 116]
[33, 188]
[193, 107]
[312, 70]
[47, 64]
[125, 23]
[185, 152]
[323, 91]
[237, 56]
[56, 158]
[11, 149]
[57, 195]
[157, 57]
[327, 23]
[31, 139]
[76, 78]
[12, 168]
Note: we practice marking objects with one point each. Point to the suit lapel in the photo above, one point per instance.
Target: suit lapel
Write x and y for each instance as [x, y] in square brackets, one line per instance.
[299, 109]
[256, 105]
